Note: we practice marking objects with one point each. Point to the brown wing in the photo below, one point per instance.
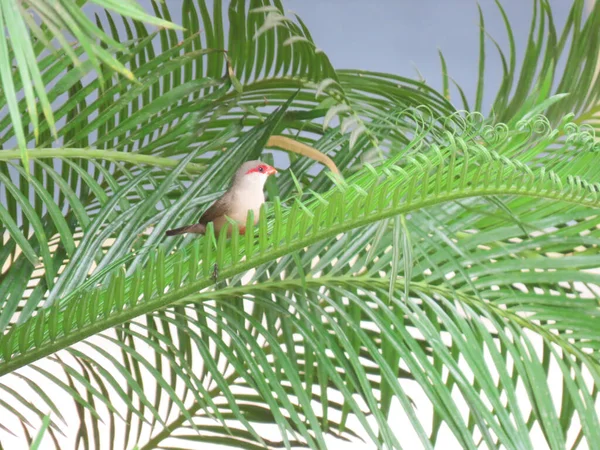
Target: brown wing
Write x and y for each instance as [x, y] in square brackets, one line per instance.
[217, 209]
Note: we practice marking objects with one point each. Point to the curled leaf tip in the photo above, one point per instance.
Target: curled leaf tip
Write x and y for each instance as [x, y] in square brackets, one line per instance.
[291, 145]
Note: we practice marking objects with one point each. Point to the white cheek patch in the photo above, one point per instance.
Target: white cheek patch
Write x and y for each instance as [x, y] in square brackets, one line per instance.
[256, 178]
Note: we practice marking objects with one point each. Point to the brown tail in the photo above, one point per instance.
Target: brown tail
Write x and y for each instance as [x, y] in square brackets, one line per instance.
[198, 228]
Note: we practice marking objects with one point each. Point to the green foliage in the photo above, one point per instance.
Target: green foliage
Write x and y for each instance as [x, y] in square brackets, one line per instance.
[448, 278]
[23, 40]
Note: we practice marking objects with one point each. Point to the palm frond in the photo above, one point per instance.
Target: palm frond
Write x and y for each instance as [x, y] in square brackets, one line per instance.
[185, 278]
[24, 39]
[444, 279]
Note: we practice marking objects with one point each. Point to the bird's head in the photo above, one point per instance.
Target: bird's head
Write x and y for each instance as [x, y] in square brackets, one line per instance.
[253, 173]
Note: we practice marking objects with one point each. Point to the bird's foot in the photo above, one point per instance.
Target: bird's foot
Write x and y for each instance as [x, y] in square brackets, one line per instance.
[215, 274]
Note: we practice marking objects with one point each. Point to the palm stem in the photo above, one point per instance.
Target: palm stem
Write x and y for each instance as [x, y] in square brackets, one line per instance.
[176, 295]
[108, 155]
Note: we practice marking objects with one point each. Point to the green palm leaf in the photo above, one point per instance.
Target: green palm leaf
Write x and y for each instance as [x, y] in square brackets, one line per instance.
[24, 40]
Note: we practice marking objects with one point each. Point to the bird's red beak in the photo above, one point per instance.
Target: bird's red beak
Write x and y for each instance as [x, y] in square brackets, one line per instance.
[271, 170]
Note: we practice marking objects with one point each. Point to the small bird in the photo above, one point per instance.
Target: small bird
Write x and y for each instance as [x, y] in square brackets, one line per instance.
[244, 194]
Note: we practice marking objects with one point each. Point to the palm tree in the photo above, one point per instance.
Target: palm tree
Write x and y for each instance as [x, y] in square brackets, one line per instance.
[440, 290]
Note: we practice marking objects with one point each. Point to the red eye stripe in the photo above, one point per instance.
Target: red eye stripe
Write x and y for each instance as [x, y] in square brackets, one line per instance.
[263, 168]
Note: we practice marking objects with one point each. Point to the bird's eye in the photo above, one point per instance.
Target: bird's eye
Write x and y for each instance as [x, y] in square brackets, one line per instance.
[261, 169]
